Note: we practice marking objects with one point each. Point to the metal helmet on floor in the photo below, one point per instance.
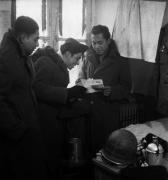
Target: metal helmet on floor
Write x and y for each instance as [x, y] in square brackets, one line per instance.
[120, 147]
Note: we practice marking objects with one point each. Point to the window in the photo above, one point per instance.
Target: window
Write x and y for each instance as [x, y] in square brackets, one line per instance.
[71, 22]
[72, 26]
[72, 19]
[34, 9]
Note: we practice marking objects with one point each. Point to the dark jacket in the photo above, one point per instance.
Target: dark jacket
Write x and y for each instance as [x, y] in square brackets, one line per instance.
[113, 69]
[20, 136]
[50, 85]
[115, 72]
[51, 80]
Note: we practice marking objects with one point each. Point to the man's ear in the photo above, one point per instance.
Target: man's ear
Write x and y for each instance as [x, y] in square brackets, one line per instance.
[67, 54]
[21, 37]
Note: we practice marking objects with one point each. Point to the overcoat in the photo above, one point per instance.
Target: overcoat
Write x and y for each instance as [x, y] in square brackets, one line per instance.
[21, 142]
[50, 86]
[104, 114]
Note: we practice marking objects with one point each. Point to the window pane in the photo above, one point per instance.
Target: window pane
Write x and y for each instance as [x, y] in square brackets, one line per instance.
[31, 8]
[72, 18]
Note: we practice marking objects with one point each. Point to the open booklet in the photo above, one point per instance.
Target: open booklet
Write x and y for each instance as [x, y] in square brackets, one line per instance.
[92, 85]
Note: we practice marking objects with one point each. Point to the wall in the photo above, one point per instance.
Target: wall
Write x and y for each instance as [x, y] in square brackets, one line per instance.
[105, 12]
[5, 16]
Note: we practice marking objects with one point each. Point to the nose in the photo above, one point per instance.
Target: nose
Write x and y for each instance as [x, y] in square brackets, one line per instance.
[96, 46]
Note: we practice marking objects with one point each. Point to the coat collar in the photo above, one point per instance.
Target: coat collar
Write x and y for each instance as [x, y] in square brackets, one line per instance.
[63, 66]
[108, 59]
[10, 37]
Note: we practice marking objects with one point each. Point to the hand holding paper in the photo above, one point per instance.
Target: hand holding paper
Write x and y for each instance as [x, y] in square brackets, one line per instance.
[92, 85]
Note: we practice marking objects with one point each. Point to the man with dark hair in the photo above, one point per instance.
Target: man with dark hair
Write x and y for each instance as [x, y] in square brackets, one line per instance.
[22, 151]
[25, 24]
[99, 29]
[102, 61]
[52, 79]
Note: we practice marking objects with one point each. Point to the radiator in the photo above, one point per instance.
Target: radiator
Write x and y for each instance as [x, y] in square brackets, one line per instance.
[130, 113]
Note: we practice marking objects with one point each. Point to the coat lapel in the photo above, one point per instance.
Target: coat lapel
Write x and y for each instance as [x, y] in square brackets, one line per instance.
[30, 67]
[62, 65]
[105, 64]
[31, 71]
[96, 64]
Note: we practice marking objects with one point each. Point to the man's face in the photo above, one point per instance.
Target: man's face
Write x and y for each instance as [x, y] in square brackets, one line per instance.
[73, 60]
[30, 42]
[99, 43]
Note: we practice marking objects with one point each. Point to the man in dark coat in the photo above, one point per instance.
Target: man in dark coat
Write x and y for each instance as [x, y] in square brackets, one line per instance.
[52, 79]
[22, 152]
[102, 61]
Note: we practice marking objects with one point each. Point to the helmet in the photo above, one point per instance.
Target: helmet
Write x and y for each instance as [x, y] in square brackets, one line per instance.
[120, 147]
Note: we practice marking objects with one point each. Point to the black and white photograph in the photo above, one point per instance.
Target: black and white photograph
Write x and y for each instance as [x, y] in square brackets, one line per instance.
[84, 89]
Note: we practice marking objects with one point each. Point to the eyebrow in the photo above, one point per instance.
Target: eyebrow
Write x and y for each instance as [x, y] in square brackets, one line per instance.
[97, 41]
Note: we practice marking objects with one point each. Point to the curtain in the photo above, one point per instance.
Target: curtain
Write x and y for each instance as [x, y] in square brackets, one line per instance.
[137, 27]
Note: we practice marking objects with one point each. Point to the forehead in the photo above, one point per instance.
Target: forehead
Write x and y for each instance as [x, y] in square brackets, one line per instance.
[97, 37]
[77, 55]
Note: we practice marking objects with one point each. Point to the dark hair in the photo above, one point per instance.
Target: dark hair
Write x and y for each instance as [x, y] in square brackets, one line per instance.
[46, 51]
[100, 29]
[24, 24]
[73, 46]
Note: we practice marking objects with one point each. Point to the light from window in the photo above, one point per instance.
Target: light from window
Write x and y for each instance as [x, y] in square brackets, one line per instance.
[33, 9]
[72, 18]
[72, 27]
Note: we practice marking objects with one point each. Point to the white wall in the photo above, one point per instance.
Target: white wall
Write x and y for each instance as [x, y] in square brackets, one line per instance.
[5, 16]
[105, 12]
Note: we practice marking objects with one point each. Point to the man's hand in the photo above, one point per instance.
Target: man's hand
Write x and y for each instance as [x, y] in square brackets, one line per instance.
[105, 89]
[76, 92]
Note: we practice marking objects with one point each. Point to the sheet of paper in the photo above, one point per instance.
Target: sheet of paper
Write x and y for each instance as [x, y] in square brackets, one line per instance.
[89, 83]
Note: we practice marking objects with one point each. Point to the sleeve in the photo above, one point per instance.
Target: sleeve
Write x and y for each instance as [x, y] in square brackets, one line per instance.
[44, 90]
[123, 89]
[11, 125]
[82, 68]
